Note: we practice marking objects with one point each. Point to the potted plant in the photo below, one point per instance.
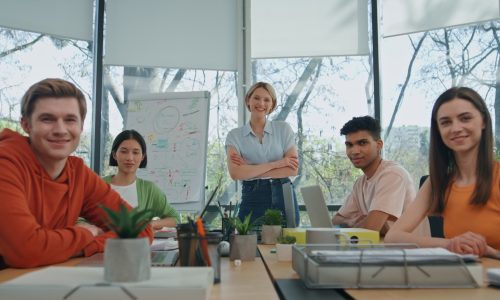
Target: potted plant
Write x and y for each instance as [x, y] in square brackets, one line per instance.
[271, 228]
[244, 242]
[127, 258]
[284, 247]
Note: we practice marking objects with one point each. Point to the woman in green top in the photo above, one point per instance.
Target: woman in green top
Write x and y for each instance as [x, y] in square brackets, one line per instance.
[129, 153]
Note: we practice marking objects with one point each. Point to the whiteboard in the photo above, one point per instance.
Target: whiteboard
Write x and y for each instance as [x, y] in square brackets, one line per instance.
[175, 127]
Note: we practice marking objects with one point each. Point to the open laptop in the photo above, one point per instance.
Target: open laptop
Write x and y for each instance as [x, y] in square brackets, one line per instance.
[172, 232]
[164, 258]
[316, 206]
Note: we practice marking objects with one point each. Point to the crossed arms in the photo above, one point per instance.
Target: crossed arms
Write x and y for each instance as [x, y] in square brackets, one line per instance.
[239, 169]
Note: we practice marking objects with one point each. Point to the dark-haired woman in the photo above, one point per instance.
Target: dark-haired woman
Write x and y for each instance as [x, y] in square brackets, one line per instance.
[128, 153]
[464, 180]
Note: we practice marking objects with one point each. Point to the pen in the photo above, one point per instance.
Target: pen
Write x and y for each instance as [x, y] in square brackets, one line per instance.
[204, 247]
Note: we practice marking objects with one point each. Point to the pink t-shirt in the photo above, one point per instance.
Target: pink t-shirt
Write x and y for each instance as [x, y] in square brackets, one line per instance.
[389, 190]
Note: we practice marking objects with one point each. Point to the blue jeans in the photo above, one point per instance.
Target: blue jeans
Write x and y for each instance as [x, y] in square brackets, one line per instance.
[261, 194]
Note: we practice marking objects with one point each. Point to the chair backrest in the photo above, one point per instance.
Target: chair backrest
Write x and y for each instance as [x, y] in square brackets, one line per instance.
[289, 205]
[435, 222]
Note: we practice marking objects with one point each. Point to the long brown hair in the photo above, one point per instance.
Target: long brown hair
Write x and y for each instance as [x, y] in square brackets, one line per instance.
[442, 164]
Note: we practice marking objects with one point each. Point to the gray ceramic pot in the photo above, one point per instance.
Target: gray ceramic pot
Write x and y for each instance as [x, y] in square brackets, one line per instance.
[127, 260]
[243, 247]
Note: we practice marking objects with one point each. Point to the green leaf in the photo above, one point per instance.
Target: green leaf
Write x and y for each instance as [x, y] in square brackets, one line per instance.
[243, 227]
[125, 223]
[273, 217]
[287, 239]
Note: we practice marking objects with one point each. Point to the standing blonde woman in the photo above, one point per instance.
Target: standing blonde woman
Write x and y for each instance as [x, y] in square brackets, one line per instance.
[262, 154]
[464, 180]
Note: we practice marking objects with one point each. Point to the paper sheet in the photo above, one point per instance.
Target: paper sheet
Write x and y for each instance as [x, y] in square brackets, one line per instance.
[380, 256]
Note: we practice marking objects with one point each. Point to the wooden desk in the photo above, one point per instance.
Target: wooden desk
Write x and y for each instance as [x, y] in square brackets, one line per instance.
[283, 270]
[246, 282]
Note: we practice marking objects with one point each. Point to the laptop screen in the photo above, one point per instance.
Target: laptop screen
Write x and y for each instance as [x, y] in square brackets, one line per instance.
[212, 196]
[316, 207]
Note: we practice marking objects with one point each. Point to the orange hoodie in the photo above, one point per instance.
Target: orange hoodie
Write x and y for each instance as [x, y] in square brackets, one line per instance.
[38, 214]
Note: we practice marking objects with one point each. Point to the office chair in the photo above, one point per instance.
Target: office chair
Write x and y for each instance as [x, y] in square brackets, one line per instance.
[435, 222]
[289, 205]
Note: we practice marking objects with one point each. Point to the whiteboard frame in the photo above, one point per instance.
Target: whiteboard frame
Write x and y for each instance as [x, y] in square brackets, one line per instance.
[194, 206]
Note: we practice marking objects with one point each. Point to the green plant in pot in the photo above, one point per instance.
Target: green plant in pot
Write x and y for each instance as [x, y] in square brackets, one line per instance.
[284, 247]
[287, 239]
[272, 224]
[127, 258]
[244, 242]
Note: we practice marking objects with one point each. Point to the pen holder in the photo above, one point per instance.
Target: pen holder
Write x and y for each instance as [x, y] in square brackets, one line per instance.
[191, 250]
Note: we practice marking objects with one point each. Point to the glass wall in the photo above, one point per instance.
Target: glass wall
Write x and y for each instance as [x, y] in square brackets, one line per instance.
[316, 96]
[417, 68]
[120, 82]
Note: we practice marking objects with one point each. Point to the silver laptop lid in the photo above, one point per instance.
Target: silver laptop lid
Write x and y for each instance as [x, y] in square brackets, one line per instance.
[316, 206]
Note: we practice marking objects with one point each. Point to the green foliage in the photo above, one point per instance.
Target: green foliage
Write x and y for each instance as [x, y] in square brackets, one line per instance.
[273, 217]
[286, 239]
[409, 146]
[13, 125]
[217, 165]
[326, 164]
[127, 224]
[243, 227]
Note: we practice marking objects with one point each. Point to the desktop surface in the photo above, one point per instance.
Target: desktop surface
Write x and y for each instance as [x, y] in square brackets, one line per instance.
[249, 281]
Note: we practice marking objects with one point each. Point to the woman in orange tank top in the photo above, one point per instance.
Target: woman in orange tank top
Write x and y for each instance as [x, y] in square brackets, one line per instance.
[464, 181]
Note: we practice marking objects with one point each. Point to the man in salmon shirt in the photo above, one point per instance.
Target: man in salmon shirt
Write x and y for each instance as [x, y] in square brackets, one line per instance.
[43, 189]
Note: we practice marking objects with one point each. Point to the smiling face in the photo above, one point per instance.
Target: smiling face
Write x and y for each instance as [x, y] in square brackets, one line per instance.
[54, 128]
[128, 156]
[260, 102]
[363, 150]
[460, 125]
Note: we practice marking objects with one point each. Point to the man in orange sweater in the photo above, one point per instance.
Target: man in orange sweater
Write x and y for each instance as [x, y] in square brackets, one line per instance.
[43, 189]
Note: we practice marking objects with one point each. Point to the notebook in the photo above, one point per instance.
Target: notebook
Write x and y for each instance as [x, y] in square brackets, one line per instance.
[164, 258]
[316, 207]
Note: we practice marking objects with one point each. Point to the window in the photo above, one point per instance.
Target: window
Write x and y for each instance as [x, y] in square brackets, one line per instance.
[123, 81]
[26, 58]
[417, 68]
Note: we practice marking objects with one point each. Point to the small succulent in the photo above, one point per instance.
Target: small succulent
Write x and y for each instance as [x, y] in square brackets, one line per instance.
[127, 224]
[243, 227]
[273, 217]
[286, 239]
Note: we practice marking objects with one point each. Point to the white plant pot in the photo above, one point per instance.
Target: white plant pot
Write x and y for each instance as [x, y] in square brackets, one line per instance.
[284, 252]
[127, 260]
[270, 234]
